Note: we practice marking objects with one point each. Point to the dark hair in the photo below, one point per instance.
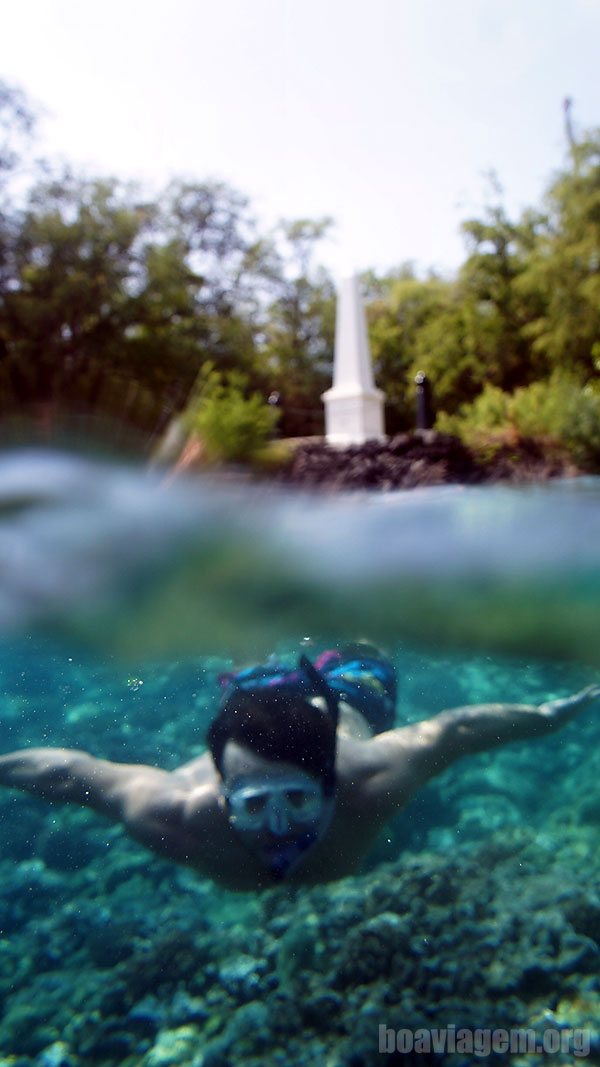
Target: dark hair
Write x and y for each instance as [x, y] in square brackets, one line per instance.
[279, 724]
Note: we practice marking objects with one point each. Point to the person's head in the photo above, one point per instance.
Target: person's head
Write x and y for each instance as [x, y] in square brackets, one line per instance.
[274, 748]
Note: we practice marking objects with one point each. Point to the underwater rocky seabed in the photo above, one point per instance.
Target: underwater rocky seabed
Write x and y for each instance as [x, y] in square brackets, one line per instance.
[479, 907]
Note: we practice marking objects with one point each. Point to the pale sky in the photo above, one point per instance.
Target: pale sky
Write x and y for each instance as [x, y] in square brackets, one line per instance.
[385, 114]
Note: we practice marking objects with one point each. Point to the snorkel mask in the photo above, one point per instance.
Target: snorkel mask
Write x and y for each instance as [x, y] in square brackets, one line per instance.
[279, 818]
[279, 806]
[280, 815]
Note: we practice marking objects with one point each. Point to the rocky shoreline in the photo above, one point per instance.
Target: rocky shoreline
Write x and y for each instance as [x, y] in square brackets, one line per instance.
[421, 458]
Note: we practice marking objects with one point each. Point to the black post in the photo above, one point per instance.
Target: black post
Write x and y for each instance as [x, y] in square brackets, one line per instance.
[274, 401]
[425, 416]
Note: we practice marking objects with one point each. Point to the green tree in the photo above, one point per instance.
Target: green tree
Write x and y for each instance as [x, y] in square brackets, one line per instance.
[497, 307]
[470, 331]
[211, 225]
[403, 307]
[17, 123]
[232, 422]
[76, 271]
[298, 336]
[564, 264]
[114, 305]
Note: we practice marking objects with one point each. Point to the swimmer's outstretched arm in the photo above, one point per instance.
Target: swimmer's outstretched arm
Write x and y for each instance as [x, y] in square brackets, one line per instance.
[150, 803]
[69, 776]
[405, 758]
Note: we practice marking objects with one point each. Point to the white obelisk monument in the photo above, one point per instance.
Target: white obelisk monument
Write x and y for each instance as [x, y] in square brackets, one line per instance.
[353, 406]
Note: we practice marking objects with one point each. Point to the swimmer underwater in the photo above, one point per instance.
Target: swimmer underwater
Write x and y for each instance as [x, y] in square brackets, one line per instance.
[303, 770]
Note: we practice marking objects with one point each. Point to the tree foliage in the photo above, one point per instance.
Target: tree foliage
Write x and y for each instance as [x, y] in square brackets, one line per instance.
[564, 266]
[400, 317]
[520, 320]
[299, 327]
[118, 305]
[559, 410]
[231, 422]
[113, 304]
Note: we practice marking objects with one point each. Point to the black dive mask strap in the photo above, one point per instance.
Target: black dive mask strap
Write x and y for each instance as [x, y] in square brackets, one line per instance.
[321, 688]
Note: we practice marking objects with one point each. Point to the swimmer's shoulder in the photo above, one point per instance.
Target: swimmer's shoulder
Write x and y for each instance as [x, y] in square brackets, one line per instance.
[199, 771]
[352, 725]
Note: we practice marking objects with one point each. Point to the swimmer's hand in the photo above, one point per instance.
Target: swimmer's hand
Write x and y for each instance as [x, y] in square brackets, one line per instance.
[566, 708]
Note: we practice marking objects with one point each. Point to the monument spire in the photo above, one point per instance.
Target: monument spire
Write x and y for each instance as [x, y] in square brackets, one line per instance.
[353, 406]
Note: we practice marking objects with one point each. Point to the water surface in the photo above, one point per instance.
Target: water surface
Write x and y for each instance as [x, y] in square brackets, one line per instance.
[122, 596]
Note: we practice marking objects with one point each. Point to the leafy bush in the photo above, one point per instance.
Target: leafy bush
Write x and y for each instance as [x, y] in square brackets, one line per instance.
[232, 424]
[560, 410]
[489, 411]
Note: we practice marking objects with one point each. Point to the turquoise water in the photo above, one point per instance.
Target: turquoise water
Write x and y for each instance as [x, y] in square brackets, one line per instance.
[122, 596]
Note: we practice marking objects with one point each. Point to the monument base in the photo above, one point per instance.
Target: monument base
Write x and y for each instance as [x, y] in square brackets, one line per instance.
[353, 416]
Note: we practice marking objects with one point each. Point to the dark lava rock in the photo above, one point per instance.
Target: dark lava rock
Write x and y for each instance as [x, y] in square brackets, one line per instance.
[422, 458]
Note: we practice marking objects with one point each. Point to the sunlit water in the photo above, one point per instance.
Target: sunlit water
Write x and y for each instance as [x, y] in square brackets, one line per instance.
[123, 593]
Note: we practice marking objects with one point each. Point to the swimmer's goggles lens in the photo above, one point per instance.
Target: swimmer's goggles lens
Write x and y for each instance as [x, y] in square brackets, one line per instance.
[278, 806]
